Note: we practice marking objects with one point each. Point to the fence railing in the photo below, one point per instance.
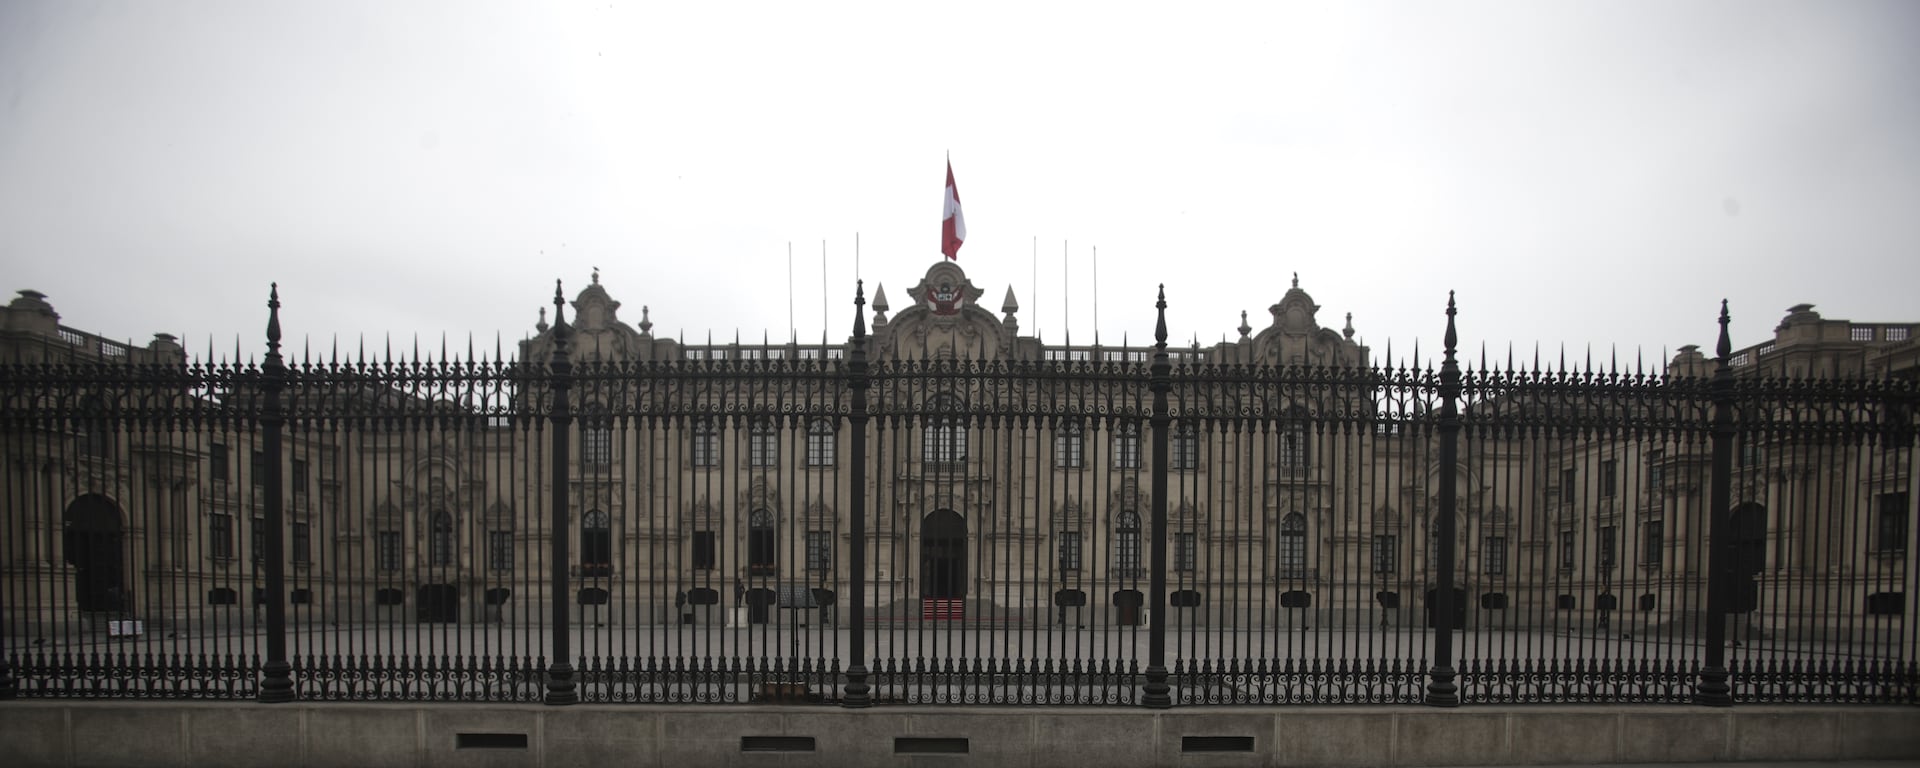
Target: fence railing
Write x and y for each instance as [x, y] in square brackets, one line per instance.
[830, 528]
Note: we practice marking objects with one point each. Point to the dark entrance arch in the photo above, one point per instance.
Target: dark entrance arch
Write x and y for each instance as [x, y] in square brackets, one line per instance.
[438, 602]
[943, 555]
[92, 544]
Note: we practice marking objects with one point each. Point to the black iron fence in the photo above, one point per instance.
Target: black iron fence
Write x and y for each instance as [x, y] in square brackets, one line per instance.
[1144, 528]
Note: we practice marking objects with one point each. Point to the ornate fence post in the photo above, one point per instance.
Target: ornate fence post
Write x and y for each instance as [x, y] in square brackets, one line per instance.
[1441, 690]
[560, 690]
[276, 686]
[857, 693]
[1713, 690]
[1157, 693]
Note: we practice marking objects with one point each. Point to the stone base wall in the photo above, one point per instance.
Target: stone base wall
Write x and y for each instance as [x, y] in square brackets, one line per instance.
[208, 734]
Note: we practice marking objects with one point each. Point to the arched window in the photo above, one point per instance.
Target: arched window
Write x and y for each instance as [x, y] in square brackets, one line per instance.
[1293, 545]
[820, 443]
[945, 439]
[596, 544]
[440, 539]
[1127, 537]
[760, 542]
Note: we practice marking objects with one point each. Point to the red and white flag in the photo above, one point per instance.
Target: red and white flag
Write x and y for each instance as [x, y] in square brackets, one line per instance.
[953, 226]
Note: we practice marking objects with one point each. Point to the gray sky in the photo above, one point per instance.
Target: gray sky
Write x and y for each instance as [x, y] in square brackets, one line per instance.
[1586, 173]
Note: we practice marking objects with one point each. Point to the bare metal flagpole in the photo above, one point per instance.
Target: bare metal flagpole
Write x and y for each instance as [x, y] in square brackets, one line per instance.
[1066, 294]
[790, 328]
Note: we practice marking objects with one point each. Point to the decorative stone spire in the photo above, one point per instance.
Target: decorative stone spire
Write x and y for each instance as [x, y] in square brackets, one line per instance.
[1245, 329]
[879, 305]
[646, 325]
[542, 325]
[1348, 331]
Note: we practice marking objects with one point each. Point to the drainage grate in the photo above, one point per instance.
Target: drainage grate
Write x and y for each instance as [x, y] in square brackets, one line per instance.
[1216, 744]
[776, 743]
[490, 741]
[912, 745]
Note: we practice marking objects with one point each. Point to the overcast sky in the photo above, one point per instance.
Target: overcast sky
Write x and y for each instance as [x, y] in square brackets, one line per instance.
[1582, 173]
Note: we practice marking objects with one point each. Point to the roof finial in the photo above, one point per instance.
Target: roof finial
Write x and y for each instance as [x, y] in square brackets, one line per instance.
[646, 324]
[1296, 279]
[596, 275]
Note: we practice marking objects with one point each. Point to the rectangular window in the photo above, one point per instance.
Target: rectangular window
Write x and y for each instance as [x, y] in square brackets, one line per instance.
[1184, 555]
[386, 550]
[706, 445]
[257, 470]
[1609, 478]
[1493, 556]
[1185, 450]
[596, 446]
[1567, 551]
[302, 541]
[500, 550]
[220, 536]
[1567, 478]
[819, 551]
[1126, 447]
[1656, 471]
[1890, 523]
[1070, 551]
[763, 446]
[1386, 553]
[1609, 543]
[257, 540]
[703, 551]
[1652, 539]
[1749, 452]
[1293, 449]
[299, 477]
[217, 462]
[820, 444]
[1067, 446]
[1130, 552]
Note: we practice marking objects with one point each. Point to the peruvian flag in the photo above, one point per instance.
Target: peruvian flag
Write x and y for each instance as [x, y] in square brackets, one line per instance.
[953, 226]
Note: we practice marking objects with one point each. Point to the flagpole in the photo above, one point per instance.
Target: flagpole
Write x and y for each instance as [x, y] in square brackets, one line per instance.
[1066, 294]
[1096, 295]
[790, 329]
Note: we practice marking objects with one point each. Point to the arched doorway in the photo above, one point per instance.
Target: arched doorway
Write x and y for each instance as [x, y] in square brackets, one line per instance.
[92, 544]
[943, 556]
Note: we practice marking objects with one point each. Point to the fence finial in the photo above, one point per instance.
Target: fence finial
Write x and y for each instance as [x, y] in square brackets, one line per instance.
[273, 320]
[1160, 325]
[1725, 348]
[1453, 337]
[859, 309]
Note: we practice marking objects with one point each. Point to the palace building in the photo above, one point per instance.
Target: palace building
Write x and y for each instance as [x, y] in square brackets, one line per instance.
[1008, 482]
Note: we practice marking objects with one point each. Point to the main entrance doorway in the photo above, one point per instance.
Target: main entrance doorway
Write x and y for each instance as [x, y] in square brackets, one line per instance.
[943, 564]
[93, 547]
